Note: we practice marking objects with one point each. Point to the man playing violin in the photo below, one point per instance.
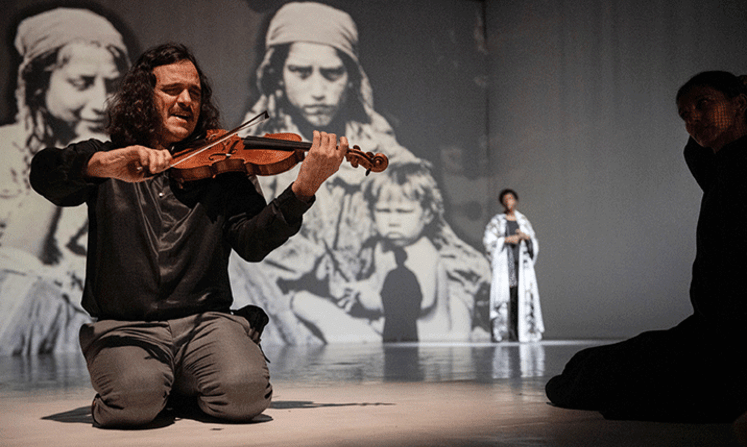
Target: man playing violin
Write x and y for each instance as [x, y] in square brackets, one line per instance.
[157, 273]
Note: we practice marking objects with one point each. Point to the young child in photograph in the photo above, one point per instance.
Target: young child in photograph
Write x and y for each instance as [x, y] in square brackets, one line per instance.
[401, 292]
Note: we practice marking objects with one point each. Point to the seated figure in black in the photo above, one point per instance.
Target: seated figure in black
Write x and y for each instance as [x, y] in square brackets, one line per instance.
[694, 372]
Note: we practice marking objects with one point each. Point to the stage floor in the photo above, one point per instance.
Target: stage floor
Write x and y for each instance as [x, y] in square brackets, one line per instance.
[353, 395]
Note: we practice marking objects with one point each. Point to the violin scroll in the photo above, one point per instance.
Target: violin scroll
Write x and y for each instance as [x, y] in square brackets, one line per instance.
[368, 160]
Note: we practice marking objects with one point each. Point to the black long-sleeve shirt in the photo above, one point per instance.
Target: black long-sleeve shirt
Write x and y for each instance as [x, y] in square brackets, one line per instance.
[159, 251]
[719, 285]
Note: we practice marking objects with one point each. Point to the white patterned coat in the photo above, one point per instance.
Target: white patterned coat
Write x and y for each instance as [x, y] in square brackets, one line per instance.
[530, 323]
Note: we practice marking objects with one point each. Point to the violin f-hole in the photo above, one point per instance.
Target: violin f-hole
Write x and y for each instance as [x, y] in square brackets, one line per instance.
[231, 150]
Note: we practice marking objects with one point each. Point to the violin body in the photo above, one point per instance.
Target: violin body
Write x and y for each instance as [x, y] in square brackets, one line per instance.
[269, 155]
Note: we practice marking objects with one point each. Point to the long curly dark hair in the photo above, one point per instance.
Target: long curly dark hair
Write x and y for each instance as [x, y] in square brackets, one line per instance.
[133, 118]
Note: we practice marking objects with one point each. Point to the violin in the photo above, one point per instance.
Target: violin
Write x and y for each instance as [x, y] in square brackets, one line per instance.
[221, 151]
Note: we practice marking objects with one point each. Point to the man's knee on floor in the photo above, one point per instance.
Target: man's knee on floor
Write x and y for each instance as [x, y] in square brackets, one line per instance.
[127, 410]
[134, 399]
[238, 397]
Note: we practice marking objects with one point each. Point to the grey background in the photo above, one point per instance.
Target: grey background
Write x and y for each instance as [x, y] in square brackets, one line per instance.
[583, 124]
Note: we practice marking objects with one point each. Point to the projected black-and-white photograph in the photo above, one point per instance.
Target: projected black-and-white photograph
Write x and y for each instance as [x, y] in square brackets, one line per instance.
[303, 64]
[465, 216]
[71, 60]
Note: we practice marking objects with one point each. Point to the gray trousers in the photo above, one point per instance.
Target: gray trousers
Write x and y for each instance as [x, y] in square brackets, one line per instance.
[136, 366]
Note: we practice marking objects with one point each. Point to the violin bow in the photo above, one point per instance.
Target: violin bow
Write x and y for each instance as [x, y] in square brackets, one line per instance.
[262, 116]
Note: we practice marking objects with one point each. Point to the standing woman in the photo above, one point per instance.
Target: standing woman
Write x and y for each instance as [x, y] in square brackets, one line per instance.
[512, 248]
[695, 371]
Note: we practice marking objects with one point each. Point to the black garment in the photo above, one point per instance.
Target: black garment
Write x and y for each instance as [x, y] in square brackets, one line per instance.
[401, 298]
[513, 313]
[512, 227]
[157, 251]
[696, 371]
[683, 374]
[718, 290]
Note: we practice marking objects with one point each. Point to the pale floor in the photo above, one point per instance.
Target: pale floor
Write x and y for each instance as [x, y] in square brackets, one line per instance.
[353, 395]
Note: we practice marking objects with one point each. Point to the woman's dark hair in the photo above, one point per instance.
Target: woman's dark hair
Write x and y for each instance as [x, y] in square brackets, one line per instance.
[36, 76]
[133, 118]
[505, 192]
[727, 83]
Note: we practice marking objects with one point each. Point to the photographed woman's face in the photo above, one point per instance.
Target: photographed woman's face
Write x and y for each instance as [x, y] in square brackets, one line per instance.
[711, 119]
[315, 80]
[84, 78]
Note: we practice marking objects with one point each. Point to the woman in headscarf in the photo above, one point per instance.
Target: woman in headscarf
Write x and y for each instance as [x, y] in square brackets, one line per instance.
[71, 62]
[311, 77]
